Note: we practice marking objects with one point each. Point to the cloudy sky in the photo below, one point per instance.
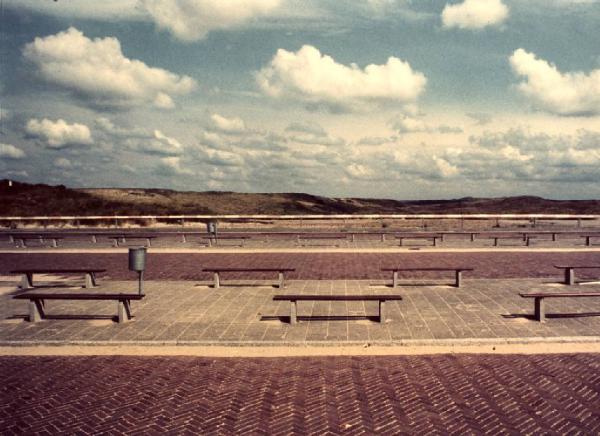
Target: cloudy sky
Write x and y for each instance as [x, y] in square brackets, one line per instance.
[400, 99]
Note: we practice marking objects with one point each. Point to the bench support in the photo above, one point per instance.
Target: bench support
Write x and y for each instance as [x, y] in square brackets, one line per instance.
[381, 311]
[293, 312]
[395, 280]
[539, 309]
[569, 276]
[26, 281]
[280, 280]
[90, 280]
[458, 278]
[36, 310]
[216, 279]
[123, 311]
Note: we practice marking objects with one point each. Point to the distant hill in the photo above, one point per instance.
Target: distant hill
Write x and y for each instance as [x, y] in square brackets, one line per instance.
[23, 199]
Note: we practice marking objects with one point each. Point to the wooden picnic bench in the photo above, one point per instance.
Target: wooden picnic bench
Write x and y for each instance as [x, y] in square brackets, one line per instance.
[570, 271]
[216, 239]
[124, 238]
[306, 238]
[539, 312]
[37, 302]
[293, 299]
[588, 239]
[217, 273]
[21, 240]
[458, 273]
[27, 279]
[434, 238]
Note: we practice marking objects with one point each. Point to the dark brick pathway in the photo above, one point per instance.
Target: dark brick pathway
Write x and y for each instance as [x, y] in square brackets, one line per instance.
[449, 394]
[312, 266]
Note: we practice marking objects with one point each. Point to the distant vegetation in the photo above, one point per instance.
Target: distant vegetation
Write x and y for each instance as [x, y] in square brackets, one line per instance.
[22, 199]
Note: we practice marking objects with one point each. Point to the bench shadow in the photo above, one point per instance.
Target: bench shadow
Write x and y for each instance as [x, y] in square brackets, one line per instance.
[552, 315]
[240, 285]
[410, 285]
[82, 317]
[286, 319]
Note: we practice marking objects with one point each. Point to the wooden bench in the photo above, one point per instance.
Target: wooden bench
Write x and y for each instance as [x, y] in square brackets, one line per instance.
[37, 302]
[508, 237]
[588, 239]
[458, 273]
[433, 238]
[293, 299]
[303, 240]
[540, 296]
[21, 240]
[27, 279]
[570, 271]
[217, 273]
[124, 238]
[215, 240]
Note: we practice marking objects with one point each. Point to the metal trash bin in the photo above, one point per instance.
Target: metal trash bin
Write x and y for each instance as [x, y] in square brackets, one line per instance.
[137, 262]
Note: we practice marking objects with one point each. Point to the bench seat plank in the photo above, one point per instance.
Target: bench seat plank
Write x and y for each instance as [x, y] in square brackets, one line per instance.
[27, 280]
[539, 312]
[458, 273]
[305, 297]
[217, 279]
[293, 299]
[36, 302]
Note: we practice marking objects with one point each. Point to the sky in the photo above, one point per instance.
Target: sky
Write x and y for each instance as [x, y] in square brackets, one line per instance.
[402, 99]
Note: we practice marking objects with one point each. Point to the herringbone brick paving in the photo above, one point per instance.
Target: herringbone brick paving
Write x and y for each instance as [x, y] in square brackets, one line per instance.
[311, 266]
[444, 394]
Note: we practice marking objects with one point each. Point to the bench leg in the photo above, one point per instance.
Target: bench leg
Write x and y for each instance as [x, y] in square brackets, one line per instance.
[495, 242]
[148, 242]
[435, 241]
[527, 241]
[36, 310]
[115, 242]
[216, 279]
[90, 280]
[587, 241]
[54, 243]
[472, 237]
[293, 312]
[383, 237]
[458, 278]
[183, 240]
[569, 276]
[400, 243]
[381, 311]
[280, 277]
[26, 281]
[395, 279]
[123, 311]
[94, 239]
[540, 314]
[553, 237]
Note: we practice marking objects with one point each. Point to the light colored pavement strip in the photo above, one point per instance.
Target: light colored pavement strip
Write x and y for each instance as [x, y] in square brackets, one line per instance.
[515, 346]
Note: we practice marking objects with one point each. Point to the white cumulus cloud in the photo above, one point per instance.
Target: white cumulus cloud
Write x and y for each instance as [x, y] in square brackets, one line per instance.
[97, 70]
[311, 76]
[474, 14]
[191, 20]
[571, 93]
[59, 133]
[9, 151]
[227, 125]
[63, 163]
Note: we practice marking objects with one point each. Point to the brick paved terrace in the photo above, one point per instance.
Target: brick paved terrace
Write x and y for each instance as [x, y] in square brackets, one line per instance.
[448, 394]
[181, 306]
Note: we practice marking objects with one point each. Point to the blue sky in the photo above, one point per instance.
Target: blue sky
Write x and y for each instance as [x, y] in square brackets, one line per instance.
[372, 98]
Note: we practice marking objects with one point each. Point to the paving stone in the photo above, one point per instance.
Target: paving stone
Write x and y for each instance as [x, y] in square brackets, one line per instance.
[447, 394]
